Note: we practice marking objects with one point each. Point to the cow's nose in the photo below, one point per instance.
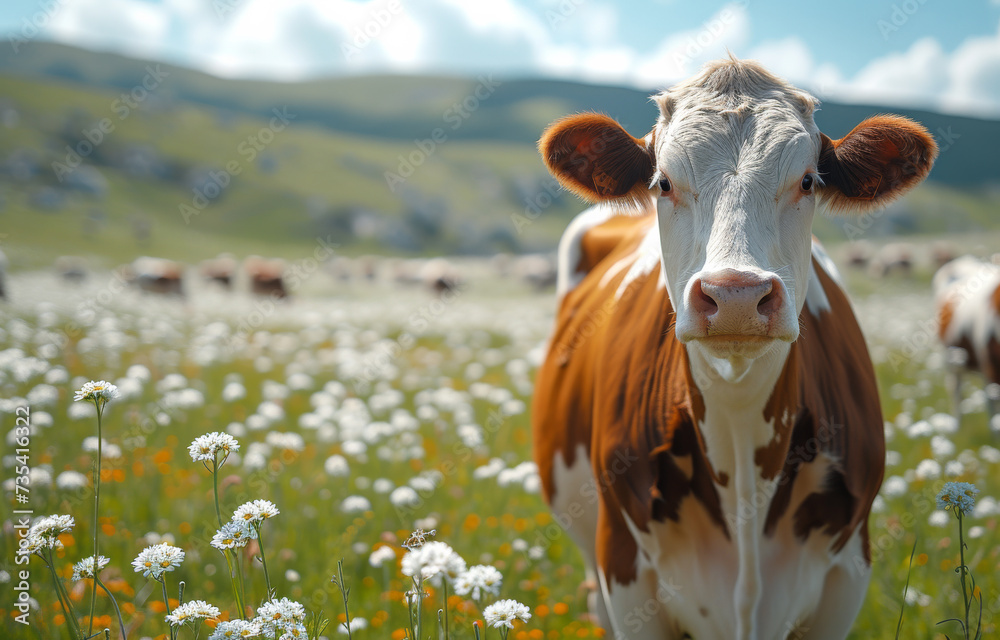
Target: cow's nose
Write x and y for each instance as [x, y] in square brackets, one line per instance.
[732, 301]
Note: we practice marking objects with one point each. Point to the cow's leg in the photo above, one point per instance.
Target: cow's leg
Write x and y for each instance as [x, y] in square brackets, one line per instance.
[637, 609]
[843, 594]
[574, 506]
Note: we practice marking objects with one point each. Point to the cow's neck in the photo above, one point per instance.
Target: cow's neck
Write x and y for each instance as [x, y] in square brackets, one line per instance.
[734, 427]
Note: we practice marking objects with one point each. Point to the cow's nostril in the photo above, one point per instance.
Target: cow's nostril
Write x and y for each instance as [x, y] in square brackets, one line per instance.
[771, 302]
[701, 301]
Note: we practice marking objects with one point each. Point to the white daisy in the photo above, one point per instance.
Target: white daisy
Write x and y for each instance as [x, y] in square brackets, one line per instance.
[85, 568]
[208, 446]
[237, 630]
[281, 615]
[192, 612]
[232, 535]
[99, 391]
[355, 504]
[504, 612]
[255, 511]
[432, 561]
[44, 534]
[154, 561]
[381, 555]
[479, 581]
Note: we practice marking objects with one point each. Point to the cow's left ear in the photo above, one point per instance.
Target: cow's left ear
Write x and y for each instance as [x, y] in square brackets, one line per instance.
[878, 161]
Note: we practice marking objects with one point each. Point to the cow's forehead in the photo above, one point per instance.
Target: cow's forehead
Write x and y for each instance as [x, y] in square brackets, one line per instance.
[736, 112]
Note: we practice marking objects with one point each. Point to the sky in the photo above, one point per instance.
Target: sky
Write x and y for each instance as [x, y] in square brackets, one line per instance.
[915, 53]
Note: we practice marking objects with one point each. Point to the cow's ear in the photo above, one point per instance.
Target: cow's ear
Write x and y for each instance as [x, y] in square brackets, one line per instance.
[878, 161]
[594, 157]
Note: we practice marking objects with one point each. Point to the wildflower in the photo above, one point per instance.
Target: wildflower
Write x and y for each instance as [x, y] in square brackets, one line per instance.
[69, 480]
[380, 556]
[281, 615]
[297, 631]
[237, 630]
[402, 497]
[479, 581]
[192, 612]
[256, 511]
[432, 561]
[153, 562]
[355, 504]
[504, 612]
[99, 392]
[44, 534]
[958, 496]
[356, 623]
[208, 446]
[232, 535]
[85, 568]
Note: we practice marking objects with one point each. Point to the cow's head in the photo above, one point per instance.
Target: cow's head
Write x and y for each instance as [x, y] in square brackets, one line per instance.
[734, 166]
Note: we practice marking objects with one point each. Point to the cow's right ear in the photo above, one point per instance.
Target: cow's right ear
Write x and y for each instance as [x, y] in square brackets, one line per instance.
[594, 157]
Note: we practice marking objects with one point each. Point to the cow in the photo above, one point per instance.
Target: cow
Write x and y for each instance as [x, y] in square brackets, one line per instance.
[267, 277]
[967, 299]
[706, 420]
[156, 275]
[219, 270]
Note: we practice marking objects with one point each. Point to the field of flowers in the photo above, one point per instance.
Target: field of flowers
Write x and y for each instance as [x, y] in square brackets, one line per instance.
[361, 417]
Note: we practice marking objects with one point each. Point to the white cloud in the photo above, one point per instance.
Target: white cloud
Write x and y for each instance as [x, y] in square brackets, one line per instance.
[296, 39]
[110, 24]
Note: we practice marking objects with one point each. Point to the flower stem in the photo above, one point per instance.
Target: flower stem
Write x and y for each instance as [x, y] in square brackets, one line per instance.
[166, 603]
[121, 624]
[445, 582]
[97, 505]
[63, 597]
[215, 485]
[965, 570]
[232, 580]
[263, 559]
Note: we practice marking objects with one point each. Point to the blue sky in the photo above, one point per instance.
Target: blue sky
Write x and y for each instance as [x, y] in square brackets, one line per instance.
[924, 53]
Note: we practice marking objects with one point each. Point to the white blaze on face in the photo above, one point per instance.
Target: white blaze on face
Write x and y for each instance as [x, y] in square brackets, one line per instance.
[735, 217]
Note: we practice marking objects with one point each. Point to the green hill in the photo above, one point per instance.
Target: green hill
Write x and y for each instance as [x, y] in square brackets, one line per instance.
[155, 179]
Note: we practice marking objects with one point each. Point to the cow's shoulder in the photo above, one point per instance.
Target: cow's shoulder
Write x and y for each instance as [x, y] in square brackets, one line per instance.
[592, 237]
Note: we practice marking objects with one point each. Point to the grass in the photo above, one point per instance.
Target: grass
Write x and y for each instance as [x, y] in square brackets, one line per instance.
[154, 489]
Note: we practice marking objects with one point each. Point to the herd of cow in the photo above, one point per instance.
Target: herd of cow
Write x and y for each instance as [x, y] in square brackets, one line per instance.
[278, 279]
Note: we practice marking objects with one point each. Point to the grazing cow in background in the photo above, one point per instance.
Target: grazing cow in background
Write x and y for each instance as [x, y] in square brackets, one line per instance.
[895, 257]
[267, 277]
[156, 275]
[220, 270]
[706, 422]
[72, 269]
[967, 297]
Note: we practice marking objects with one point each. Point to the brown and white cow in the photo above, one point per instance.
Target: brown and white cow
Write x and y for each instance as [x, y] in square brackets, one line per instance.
[706, 422]
[967, 297]
[267, 277]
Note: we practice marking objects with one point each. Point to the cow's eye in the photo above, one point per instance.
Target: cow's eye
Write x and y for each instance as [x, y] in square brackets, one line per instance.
[807, 182]
[665, 185]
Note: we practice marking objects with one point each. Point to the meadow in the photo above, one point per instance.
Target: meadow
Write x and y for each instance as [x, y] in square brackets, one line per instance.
[363, 412]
